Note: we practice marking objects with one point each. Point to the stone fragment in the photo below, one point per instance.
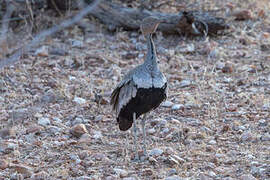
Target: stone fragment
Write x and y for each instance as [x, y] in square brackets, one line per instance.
[3, 164]
[174, 177]
[42, 51]
[78, 130]
[177, 107]
[7, 132]
[44, 121]
[121, 172]
[247, 177]
[167, 104]
[79, 100]
[22, 169]
[156, 152]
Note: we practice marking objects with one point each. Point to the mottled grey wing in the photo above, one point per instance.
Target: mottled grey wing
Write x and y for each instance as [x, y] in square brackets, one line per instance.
[123, 94]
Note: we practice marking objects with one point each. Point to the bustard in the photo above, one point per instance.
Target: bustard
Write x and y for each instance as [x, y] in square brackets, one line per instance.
[142, 89]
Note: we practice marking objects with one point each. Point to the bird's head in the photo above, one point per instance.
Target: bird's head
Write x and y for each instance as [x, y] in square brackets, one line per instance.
[150, 24]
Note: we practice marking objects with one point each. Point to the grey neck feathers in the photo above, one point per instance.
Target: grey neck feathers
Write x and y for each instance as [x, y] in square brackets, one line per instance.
[151, 60]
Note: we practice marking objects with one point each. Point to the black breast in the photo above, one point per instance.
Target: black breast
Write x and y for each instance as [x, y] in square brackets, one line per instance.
[144, 101]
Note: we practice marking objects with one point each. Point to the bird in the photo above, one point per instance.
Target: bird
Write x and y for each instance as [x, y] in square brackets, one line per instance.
[142, 89]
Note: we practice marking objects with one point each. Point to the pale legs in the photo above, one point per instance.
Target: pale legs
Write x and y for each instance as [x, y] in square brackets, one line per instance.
[135, 137]
[144, 135]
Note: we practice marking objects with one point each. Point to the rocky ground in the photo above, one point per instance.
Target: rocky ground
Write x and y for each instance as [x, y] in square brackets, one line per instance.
[56, 121]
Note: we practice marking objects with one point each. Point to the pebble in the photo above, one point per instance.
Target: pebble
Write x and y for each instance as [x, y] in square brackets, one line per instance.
[56, 119]
[7, 147]
[97, 135]
[77, 120]
[156, 152]
[167, 104]
[75, 158]
[263, 122]
[162, 123]
[177, 106]
[44, 121]
[110, 178]
[130, 178]
[121, 172]
[174, 177]
[212, 142]
[140, 56]
[211, 173]
[40, 176]
[78, 130]
[99, 118]
[7, 132]
[169, 150]
[42, 51]
[154, 122]
[85, 138]
[3, 164]
[151, 131]
[147, 172]
[16, 176]
[204, 177]
[49, 97]
[152, 160]
[165, 131]
[22, 169]
[54, 130]
[172, 172]
[228, 67]
[246, 136]
[58, 51]
[265, 137]
[184, 83]
[99, 156]
[247, 177]
[19, 115]
[79, 100]
[76, 43]
[35, 129]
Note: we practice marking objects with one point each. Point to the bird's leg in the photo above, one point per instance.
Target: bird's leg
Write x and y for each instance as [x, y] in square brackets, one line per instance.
[135, 137]
[144, 135]
[125, 150]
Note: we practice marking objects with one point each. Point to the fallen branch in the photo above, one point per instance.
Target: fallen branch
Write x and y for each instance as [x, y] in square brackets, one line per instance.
[117, 16]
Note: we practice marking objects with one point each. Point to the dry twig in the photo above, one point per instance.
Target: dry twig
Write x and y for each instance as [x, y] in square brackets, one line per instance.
[42, 35]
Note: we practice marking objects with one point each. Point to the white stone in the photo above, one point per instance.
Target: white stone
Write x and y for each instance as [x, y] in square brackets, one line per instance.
[184, 83]
[120, 172]
[44, 121]
[76, 43]
[173, 178]
[42, 51]
[177, 106]
[151, 131]
[212, 142]
[167, 104]
[97, 135]
[79, 100]
[156, 152]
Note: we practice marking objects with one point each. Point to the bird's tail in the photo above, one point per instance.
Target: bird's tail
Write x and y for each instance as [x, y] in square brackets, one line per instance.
[124, 123]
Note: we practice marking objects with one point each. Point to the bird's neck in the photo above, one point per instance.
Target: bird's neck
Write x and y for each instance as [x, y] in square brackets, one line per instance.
[151, 52]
